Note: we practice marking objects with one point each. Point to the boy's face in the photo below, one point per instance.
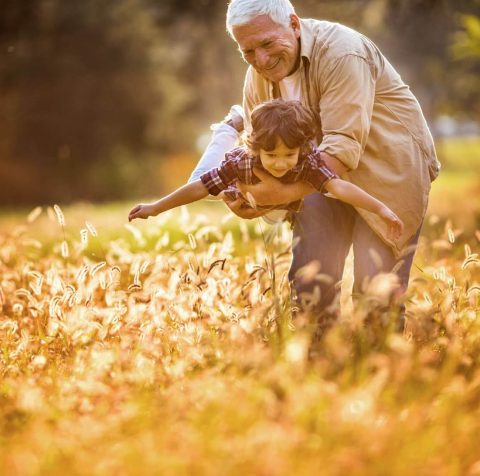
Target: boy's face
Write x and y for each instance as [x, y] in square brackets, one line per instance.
[280, 160]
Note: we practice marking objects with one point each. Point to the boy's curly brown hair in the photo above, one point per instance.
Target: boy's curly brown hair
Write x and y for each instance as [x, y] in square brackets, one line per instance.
[287, 120]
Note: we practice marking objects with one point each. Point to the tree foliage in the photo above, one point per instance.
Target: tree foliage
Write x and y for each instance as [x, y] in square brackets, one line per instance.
[96, 93]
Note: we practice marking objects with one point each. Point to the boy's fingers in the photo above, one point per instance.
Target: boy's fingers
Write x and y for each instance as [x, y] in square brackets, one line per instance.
[398, 228]
[393, 230]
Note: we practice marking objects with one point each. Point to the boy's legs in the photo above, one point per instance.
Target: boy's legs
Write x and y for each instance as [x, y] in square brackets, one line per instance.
[224, 137]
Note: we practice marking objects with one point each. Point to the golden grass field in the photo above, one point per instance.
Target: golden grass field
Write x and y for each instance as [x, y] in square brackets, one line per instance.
[166, 347]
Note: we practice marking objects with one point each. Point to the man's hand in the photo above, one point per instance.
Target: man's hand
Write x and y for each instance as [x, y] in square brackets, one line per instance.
[241, 210]
[271, 191]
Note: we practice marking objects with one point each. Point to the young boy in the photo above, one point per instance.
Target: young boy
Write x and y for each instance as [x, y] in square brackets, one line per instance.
[281, 144]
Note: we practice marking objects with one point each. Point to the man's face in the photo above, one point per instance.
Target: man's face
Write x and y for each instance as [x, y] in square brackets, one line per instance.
[272, 49]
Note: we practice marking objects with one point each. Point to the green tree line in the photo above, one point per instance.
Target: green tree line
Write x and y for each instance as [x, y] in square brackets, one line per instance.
[94, 94]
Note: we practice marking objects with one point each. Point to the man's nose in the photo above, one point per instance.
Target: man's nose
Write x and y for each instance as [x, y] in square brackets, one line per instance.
[261, 57]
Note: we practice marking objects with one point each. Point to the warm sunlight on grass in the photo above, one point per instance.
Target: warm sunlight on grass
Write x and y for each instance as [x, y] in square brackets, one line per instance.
[162, 347]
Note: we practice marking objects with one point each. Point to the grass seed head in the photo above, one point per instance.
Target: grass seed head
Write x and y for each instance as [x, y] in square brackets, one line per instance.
[84, 236]
[59, 215]
[451, 236]
[91, 229]
[64, 249]
[34, 214]
[97, 268]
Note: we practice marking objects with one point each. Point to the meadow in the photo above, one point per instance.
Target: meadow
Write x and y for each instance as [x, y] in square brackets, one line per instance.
[167, 347]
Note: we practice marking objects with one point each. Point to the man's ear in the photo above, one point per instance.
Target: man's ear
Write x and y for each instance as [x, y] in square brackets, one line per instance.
[295, 24]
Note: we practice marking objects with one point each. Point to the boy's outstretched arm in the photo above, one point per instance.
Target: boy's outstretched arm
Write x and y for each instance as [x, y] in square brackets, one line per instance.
[191, 192]
[350, 193]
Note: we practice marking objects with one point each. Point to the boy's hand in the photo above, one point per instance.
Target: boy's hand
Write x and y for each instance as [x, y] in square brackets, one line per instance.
[143, 210]
[395, 225]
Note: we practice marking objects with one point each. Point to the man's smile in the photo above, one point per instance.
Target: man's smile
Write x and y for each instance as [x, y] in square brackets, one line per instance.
[273, 66]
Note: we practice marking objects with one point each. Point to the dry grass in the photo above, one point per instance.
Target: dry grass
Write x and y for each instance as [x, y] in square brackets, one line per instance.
[158, 351]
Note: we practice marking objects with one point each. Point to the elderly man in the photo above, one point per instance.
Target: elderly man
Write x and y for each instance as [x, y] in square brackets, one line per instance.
[373, 134]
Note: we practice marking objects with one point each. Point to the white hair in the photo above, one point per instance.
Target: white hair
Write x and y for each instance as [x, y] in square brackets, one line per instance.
[240, 12]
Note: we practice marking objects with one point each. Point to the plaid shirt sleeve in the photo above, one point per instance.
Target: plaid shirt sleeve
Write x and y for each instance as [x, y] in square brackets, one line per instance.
[219, 178]
[316, 172]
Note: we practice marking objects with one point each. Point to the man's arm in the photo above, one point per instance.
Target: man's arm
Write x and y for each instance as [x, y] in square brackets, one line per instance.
[238, 208]
[347, 96]
[271, 191]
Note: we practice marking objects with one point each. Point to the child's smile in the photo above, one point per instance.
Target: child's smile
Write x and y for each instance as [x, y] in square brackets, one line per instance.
[279, 160]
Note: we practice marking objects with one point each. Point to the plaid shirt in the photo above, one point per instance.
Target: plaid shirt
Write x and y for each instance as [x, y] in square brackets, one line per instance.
[238, 165]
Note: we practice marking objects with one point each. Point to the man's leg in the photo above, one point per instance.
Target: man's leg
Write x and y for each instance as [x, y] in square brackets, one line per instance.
[322, 235]
[373, 256]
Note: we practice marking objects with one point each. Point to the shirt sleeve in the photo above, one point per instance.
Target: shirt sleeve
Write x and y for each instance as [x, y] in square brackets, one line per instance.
[219, 178]
[346, 105]
[316, 172]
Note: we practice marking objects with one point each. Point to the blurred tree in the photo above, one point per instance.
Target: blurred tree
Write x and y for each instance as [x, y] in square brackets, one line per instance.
[348, 12]
[211, 64]
[465, 51]
[418, 34]
[85, 84]
[95, 94]
[467, 42]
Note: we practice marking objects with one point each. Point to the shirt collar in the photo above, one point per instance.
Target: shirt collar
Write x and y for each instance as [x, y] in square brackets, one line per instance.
[307, 40]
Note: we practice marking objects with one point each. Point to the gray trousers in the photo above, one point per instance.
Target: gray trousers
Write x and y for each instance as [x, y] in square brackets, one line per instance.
[324, 231]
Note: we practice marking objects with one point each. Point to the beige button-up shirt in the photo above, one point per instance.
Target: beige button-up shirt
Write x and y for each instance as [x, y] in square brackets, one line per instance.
[369, 119]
